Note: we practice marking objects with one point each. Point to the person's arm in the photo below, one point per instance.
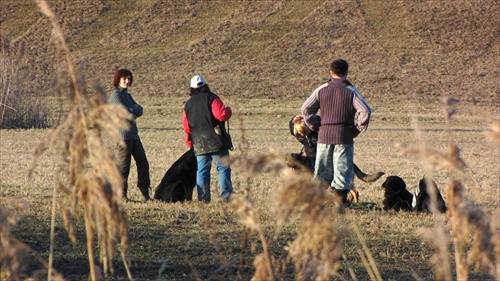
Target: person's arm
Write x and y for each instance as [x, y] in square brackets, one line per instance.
[363, 109]
[310, 108]
[220, 111]
[136, 109]
[115, 98]
[127, 102]
[187, 130]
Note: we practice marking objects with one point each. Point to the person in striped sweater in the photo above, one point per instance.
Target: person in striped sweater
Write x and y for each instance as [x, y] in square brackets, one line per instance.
[344, 114]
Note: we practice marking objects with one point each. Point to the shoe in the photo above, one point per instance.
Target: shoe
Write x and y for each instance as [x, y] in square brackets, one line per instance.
[341, 196]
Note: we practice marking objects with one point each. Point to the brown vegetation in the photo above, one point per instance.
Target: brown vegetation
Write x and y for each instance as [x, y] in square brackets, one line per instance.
[265, 57]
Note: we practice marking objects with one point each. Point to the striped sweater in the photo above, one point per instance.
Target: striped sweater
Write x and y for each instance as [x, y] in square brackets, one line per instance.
[339, 103]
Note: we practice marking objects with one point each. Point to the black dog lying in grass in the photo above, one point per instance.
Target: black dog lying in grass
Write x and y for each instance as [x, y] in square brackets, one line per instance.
[422, 201]
[179, 181]
[398, 198]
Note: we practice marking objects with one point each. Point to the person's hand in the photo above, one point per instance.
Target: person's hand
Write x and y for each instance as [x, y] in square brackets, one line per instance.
[355, 132]
[133, 107]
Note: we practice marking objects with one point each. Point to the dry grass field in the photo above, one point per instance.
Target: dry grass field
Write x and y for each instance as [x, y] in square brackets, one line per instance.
[263, 58]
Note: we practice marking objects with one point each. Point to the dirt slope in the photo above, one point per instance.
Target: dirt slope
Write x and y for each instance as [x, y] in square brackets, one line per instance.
[398, 50]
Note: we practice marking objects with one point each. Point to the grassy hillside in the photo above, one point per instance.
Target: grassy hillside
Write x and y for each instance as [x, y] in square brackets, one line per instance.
[398, 50]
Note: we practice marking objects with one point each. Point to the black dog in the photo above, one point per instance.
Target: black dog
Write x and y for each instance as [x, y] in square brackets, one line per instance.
[179, 181]
[396, 196]
[423, 199]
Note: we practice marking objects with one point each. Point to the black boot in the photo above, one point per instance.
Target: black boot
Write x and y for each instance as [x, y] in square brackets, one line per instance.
[341, 196]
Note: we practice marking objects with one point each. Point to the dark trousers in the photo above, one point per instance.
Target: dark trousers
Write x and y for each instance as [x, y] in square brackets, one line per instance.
[124, 156]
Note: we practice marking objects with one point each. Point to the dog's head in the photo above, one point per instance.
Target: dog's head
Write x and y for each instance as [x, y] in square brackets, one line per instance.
[300, 127]
[393, 185]
[298, 161]
[179, 194]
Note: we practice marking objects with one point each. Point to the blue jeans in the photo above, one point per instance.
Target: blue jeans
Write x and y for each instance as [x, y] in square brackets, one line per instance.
[335, 164]
[203, 175]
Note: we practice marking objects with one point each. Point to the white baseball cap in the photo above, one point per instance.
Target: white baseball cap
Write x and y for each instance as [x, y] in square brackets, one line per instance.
[197, 81]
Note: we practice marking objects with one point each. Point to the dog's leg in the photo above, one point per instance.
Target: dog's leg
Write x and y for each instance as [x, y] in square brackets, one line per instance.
[189, 193]
[366, 177]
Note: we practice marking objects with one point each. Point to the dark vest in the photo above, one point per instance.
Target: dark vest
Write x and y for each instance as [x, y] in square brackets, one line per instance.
[202, 123]
[337, 113]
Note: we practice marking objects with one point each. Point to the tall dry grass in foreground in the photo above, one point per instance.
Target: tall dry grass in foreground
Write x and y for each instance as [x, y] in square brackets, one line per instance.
[474, 234]
[316, 251]
[88, 178]
[12, 251]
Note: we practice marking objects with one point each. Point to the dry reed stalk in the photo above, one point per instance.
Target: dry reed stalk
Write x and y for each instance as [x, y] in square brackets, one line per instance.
[439, 238]
[469, 221]
[244, 245]
[493, 131]
[430, 160]
[242, 145]
[249, 217]
[5, 78]
[366, 256]
[93, 178]
[316, 250]
[12, 251]
[218, 244]
[451, 159]
[269, 162]
[196, 275]
[466, 219]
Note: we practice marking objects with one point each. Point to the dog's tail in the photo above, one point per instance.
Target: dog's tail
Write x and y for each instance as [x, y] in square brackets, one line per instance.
[365, 177]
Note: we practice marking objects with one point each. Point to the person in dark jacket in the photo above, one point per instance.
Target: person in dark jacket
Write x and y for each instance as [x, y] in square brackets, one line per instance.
[133, 146]
[204, 124]
[339, 102]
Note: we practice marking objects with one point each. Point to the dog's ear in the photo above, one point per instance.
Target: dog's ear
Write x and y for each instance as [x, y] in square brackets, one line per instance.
[385, 183]
[422, 184]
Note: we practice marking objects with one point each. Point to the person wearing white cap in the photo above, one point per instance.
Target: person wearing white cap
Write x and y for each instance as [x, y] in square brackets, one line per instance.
[204, 124]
